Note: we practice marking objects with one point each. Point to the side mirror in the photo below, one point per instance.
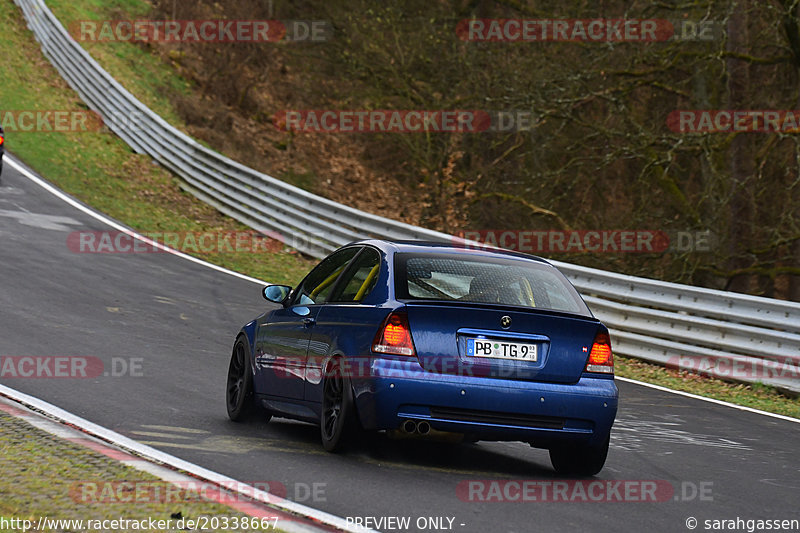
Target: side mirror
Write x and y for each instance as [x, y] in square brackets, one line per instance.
[276, 293]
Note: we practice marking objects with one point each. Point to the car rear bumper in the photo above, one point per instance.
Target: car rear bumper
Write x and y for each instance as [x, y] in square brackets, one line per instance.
[486, 408]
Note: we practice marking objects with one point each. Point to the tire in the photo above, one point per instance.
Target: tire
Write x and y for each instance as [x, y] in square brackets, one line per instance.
[338, 423]
[239, 398]
[584, 461]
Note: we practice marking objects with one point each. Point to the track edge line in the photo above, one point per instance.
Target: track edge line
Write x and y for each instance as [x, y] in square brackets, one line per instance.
[151, 454]
[710, 400]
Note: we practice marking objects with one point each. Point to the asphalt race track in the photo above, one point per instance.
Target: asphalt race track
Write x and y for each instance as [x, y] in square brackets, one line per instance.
[167, 325]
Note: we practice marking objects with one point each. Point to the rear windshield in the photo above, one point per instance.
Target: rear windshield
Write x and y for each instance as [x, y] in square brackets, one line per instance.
[516, 282]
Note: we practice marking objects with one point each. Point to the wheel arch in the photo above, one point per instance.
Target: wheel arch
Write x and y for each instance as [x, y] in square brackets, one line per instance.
[339, 354]
[249, 332]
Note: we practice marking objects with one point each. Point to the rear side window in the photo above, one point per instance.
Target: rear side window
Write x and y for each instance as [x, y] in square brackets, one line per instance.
[515, 282]
[317, 286]
[360, 278]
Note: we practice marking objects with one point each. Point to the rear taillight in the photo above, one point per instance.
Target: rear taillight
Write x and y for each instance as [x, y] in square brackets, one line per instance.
[394, 336]
[2, 140]
[600, 357]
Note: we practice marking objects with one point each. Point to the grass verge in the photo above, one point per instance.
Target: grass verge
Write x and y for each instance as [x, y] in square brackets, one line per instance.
[757, 396]
[99, 169]
[42, 475]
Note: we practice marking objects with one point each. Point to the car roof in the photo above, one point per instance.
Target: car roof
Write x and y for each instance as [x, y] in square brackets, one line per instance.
[480, 250]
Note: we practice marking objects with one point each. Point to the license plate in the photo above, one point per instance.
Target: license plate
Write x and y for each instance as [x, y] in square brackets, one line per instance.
[518, 351]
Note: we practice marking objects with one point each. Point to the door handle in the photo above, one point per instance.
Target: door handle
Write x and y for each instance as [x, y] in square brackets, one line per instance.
[308, 322]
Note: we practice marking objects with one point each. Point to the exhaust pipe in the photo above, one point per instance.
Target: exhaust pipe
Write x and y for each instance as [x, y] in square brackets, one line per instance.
[409, 426]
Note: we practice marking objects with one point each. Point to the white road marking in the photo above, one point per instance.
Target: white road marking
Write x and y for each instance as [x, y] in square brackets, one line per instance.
[38, 220]
[157, 456]
[710, 400]
[630, 433]
[119, 227]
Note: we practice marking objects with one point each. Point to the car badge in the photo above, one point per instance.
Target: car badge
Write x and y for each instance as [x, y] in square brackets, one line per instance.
[505, 322]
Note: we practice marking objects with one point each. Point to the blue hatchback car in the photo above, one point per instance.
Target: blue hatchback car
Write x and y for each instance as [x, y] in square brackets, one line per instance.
[422, 338]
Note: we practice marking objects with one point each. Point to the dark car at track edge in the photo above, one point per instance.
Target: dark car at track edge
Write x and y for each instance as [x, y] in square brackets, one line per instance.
[2, 148]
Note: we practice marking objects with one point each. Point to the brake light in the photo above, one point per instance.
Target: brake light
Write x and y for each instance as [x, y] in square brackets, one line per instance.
[394, 336]
[600, 357]
[2, 140]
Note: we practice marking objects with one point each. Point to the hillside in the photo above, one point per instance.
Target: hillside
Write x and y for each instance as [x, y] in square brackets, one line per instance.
[601, 151]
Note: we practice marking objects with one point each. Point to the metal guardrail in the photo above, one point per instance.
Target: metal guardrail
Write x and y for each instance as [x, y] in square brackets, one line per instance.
[728, 335]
